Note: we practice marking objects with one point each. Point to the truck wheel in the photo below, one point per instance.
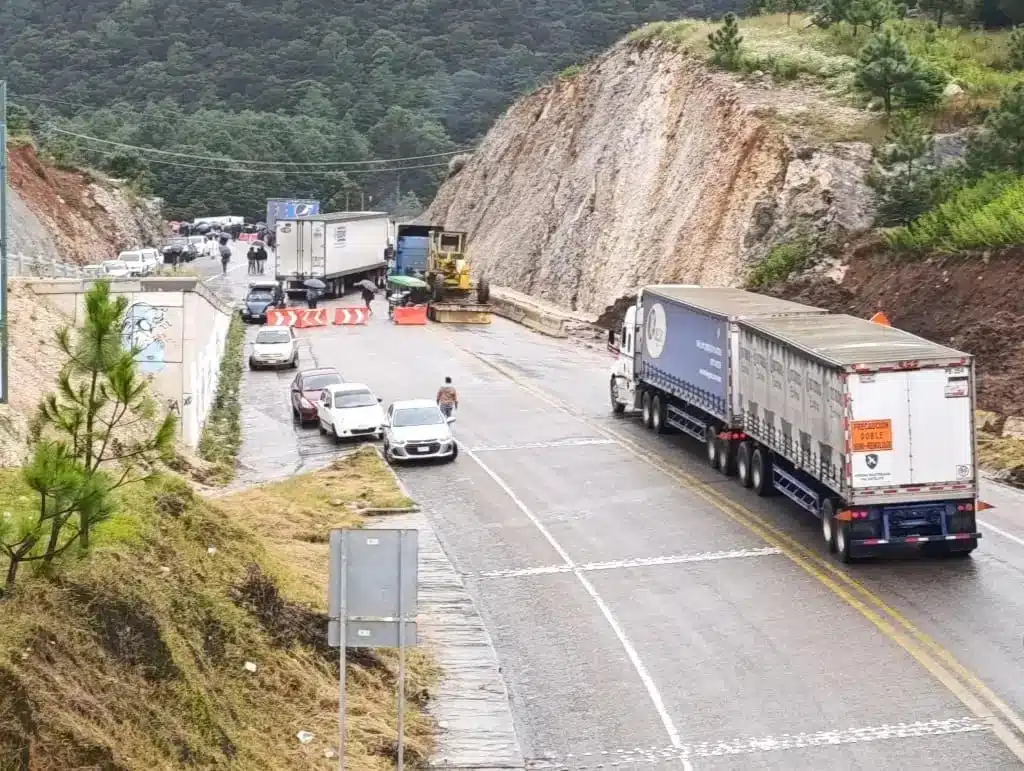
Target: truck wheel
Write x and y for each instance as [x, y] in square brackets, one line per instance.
[645, 409]
[658, 415]
[761, 473]
[483, 291]
[617, 407]
[842, 530]
[828, 523]
[743, 463]
[711, 445]
[726, 458]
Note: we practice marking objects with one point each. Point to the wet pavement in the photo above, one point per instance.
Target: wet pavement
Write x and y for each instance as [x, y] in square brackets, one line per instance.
[649, 613]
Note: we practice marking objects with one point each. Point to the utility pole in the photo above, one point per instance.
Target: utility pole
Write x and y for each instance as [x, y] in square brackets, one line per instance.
[3, 242]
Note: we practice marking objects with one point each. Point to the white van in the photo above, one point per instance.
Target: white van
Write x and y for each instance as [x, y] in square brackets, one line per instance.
[136, 262]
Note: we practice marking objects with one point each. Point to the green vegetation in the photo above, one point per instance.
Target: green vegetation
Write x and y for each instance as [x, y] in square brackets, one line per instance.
[782, 261]
[142, 656]
[905, 179]
[306, 81]
[726, 43]
[887, 70]
[222, 434]
[98, 432]
[987, 214]
[570, 72]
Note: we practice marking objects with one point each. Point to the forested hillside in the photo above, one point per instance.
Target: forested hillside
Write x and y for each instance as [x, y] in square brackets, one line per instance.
[307, 81]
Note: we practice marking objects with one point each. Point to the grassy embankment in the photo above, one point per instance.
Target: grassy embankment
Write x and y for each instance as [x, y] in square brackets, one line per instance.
[136, 657]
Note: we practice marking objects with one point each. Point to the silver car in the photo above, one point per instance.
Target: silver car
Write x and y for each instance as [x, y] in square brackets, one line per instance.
[417, 429]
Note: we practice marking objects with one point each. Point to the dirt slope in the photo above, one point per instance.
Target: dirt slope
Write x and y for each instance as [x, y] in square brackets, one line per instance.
[646, 167]
[73, 217]
[973, 304]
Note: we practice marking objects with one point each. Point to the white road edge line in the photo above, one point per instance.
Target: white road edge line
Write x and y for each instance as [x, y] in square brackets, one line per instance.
[637, 562]
[652, 690]
[999, 531]
[758, 744]
[582, 442]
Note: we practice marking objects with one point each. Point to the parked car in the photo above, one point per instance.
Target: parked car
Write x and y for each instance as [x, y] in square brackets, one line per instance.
[417, 429]
[136, 262]
[150, 256]
[178, 250]
[94, 271]
[275, 347]
[349, 411]
[306, 388]
[261, 297]
[116, 268]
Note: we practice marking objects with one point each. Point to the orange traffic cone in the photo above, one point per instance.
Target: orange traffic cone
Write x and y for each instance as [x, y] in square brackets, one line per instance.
[881, 318]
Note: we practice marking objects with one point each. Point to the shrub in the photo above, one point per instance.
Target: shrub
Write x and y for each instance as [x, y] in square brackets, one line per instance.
[781, 262]
[222, 434]
[726, 43]
[986, 215]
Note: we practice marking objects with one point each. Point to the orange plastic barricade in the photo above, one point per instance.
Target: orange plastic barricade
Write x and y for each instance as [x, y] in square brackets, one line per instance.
[410, 314]
[282, 318]
[350, 316]
[311, 317]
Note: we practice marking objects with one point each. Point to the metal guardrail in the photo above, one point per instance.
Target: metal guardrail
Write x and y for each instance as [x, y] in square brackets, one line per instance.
[28, 266]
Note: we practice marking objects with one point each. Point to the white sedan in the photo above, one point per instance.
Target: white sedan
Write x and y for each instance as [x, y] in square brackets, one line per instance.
[116, 268]
[418, 429]
[349, 411]
[275, 347]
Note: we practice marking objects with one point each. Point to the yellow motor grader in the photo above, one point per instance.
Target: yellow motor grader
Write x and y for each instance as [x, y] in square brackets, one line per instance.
[455, 298]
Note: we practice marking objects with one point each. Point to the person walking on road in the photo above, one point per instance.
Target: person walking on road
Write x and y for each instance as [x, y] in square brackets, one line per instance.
[447, 399]
[225, 258]
[368, 295]
[253, 257]
[261, 258]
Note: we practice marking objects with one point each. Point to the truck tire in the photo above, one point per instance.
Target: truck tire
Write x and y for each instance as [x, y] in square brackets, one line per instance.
[483, 291]
[761, 473]
[617, 407]
[645, 409]
[711, 446]
[658, 414]
[743, 463]
[726, 458]
[828, 523]
[843, 542]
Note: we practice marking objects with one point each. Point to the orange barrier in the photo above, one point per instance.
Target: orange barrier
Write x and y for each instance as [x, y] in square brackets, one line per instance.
[351, 316]
[410, 314]
[247, 236]
[282, 318]
[311, 317]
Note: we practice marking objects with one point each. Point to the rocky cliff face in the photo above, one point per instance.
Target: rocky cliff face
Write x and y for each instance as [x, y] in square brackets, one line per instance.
[648, 167]
[68, 216]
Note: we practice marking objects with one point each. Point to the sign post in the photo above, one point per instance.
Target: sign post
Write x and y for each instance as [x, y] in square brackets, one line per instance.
[372, 601]
[3, 242]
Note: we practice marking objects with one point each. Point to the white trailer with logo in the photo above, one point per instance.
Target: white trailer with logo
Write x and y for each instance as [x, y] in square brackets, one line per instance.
[339, 249]
[868, 427]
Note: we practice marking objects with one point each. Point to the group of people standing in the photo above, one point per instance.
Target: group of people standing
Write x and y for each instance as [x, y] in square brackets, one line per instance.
[257, 257]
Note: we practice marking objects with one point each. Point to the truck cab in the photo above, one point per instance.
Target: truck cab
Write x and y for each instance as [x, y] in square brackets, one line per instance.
[624, 342]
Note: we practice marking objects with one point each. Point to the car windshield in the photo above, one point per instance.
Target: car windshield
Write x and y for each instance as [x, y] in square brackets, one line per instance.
[112, 265]
[417, 416]
[261, 296]
[347, 399]
[273, 336]
[320, 382]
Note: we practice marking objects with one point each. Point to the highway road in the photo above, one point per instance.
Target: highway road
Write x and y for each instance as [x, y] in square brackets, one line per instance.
[650, 613]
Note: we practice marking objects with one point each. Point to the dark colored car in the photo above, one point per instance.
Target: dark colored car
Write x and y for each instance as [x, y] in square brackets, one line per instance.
[306, 390]
[261, 297]
[178, 250]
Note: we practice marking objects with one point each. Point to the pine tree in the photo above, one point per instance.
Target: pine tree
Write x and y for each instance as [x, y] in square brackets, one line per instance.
[726, 43]
[1017, 48]
[788, 7]
[886, 69]
[939, 8]
[904, 178]
[1000, 144]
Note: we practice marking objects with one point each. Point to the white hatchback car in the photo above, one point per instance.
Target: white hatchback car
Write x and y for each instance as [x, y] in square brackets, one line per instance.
[136, 262]
[350, 410]
[417, 429]
[116, 268]
[274, 347]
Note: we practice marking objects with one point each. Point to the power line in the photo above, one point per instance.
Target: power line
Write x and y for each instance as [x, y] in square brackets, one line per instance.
[265, 163]
[273, 171]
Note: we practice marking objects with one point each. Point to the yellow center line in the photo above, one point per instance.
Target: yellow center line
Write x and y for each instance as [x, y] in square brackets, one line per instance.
[939, 662]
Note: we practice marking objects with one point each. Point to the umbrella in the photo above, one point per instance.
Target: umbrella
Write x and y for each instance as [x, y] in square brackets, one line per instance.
[368, 285]
[409, 282]
[314, 283]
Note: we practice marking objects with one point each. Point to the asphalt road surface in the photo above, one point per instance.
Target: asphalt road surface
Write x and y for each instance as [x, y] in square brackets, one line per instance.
[650, 613]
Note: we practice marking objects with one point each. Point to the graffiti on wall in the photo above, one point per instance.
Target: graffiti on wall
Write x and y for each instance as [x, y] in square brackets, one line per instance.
[145, 330]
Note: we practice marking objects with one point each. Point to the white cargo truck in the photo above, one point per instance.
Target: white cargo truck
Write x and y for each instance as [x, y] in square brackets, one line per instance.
[339, 249]
[868, 427]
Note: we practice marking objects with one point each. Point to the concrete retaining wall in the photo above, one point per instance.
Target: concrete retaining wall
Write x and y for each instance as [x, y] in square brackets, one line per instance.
[181, 329]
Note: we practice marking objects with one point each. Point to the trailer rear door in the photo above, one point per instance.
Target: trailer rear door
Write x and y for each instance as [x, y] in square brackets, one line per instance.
[911, 428]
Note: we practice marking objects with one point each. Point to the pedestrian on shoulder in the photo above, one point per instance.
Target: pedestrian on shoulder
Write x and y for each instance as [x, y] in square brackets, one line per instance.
[368, 296]
[447, 399]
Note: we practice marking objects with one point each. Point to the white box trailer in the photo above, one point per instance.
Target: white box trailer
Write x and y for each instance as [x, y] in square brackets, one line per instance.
[868, 427]
[339, 249]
